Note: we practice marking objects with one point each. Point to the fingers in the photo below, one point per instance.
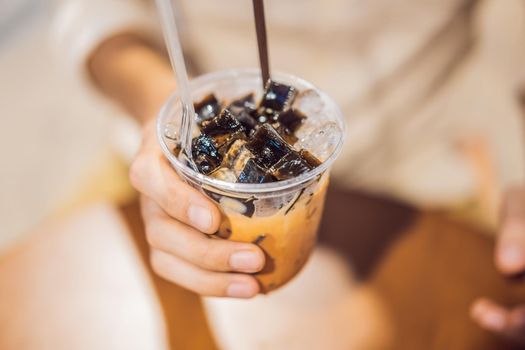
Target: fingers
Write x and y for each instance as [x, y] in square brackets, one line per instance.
[496, 318]
[178, 239]
[175, 216]
[510, 249]
[152, 175]
[202, 281]
[489, 315]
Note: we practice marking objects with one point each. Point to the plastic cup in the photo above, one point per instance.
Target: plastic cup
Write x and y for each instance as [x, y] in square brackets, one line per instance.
[281, 217]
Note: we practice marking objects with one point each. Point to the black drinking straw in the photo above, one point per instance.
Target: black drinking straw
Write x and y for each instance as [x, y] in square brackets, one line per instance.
[260, 28]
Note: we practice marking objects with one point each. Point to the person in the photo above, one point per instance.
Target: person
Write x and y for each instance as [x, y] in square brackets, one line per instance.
[414, 78]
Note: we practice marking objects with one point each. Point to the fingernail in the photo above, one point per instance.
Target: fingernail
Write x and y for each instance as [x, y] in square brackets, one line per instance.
[512, 257]
[199, 217]
[240, 290]
[493, 320]
[245, 260]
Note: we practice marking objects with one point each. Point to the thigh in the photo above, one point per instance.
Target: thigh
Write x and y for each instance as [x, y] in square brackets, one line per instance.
[431, 277]
[85, 283]
[79, 284]
[182, 310]
[425, 269]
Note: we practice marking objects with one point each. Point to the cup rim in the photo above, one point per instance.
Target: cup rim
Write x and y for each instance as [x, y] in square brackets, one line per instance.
[248, 187]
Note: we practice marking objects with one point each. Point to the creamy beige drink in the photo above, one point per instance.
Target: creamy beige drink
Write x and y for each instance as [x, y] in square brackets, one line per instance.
[287, 237]
[263, 157]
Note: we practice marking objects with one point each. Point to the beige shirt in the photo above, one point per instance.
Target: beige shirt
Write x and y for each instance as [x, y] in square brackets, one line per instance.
[414, 78]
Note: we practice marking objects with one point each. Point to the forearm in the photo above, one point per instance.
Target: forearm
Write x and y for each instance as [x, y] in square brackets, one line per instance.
[133, 73]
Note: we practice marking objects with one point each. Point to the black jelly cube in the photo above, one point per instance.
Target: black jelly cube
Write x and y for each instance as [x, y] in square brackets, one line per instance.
[253, 173]
[247, 121]
[208, 108]
[291, 165]
[266, 115]
[223, 129]
[310, 158]
[244, 110]
[245, 102]
[267, 146]
[205, 154]
[224, 123]
[285, 133]
[292, 119]
[277, 96]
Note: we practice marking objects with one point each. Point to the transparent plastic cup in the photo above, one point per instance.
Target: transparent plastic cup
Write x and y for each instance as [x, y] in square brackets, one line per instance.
[281, 217]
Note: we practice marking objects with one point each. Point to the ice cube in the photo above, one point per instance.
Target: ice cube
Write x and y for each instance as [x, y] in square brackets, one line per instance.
[205, 154]
[267, 146]
[321, 141]
[272, 205]
[208, 108]
[253, 173]
[171, 135]
[237, 157]
[244, 206]
[309, 102]
[291, 165]
[233, 152]
[171, 132]
[224, 174]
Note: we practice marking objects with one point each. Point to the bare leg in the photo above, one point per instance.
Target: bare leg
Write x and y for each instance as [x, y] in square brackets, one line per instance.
[82, 284]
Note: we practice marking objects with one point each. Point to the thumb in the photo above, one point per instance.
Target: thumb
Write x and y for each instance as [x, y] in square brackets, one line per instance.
[510, 249]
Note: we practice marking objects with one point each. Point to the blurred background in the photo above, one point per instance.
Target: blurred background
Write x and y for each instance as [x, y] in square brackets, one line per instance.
[63, 145]
[54, 131]
[69, 132]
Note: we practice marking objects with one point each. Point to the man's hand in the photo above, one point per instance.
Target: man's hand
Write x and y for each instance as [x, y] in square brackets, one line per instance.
[510, 260]
[179, 221]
